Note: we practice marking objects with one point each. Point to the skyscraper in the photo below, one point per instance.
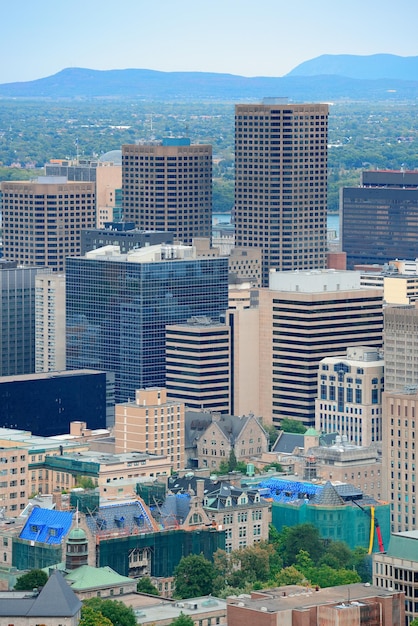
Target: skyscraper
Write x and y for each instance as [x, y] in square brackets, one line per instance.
[281, 183]
[42, 220]
[169, 187]
[118, 306]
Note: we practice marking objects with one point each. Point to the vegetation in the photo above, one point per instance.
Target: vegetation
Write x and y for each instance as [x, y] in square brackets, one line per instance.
[145, 586]
[232, 465]
[115, 611]
[91, 617]
[194, 576]
[182, 620]
[85, 482]
[32, 580]
[292, 426]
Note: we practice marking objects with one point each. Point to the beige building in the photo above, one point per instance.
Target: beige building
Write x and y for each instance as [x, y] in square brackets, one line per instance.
[42, 220]
[400, 411]
[169, 187]
[401, 346]
[50, 342]
[245, 264]
[281, 183]
[152, 424]
[305, 317]
[349, 398]
[108, 180]
[198, 364]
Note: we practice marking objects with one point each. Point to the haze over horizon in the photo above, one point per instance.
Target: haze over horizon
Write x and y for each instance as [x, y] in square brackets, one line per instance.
[236, 36]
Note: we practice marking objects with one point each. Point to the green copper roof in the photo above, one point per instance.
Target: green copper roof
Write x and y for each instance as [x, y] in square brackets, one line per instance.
[77, 533]
[404, 545]
[87, 577]
[311, 432]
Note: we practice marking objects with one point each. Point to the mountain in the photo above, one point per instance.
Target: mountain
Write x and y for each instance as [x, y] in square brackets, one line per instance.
[373, 67]
[195, 86]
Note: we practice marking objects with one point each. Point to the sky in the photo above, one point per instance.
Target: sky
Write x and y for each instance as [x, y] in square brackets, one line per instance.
[245, 37]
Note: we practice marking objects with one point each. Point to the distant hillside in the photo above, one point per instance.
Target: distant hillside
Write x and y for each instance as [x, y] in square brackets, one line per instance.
[195, 86]
[373, 67]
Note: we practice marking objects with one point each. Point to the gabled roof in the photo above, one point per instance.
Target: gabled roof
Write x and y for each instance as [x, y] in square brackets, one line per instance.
[88, 577]
[328, 496]
[47, 526]
[287, 442]
[56, 599]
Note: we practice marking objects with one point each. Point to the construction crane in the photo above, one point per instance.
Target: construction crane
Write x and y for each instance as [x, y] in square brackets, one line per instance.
[374, 525]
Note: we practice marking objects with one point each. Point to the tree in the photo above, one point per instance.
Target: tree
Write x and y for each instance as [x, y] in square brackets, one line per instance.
[118, 613]
[292, 426]
[194, 576]
[182, 620]
[145, 586]
[272, 433]
[90, 617]
[302, 537]
[337, 555]
[289, 576]
[32, 580]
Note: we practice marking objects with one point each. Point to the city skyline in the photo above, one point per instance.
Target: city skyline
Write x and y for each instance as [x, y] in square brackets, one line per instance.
[233, 37]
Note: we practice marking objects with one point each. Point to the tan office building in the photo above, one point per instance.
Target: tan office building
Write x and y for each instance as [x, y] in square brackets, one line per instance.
[305, 317]
[42, 220]
[151, 424]
[49, 322]
[169, 187]
[401, 346]
[281, 183]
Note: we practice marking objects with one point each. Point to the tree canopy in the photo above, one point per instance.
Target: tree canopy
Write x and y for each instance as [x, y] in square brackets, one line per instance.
[193, 577]
[115, 611]
[90, 617]
[182, 620]
[145, 585]
[32, 580]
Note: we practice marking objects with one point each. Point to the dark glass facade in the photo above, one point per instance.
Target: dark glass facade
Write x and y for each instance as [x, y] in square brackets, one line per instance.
[117, 312]
[379, 224]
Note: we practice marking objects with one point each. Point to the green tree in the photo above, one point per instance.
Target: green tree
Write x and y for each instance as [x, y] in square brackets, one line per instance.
[145, 586]
[414, 622]
[85, 482]
[32, 580]
[302, 537]
[292, 426]
[289, 576]
[326, 576]
[182, 620]
[272, 434]
[118, 613]
[194, 576]
[90, 617]
[337, 555]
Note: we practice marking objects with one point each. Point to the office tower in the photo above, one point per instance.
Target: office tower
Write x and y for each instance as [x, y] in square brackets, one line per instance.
[197, 364]
[401, 346]
[49, 322]
[399, 475]
[281, 183]
[17, 325]
[42, 220]
[118, 306]
[349, 398]
[169, 187]
[151, 423]
[305, 317]
[379, 219]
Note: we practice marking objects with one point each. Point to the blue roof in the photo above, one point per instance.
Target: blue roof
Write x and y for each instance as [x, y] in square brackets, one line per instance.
[47, 526]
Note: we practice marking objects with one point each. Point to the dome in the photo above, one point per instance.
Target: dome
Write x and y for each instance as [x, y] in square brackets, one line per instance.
[113, 156]
[77, 534]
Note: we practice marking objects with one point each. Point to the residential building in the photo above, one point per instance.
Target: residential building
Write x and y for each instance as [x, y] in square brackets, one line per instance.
[152, 423]
[42, 220]
[281, 183]
[401, 346]
[45, 403]
[349, 398]
[169, 187]
[50, 350]
[293, 605]
[397, 569]
[305, 317]
[198, 371]
[55, 604]
[400, 409]
[122, 234]
[379, 219]
[118, 306]
[17, 325]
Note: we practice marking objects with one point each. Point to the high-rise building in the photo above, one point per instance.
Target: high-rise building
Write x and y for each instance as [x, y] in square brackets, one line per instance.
[281, 183]
[49, 322]
[169, 187]
[118, 306]
[349, 398]
[17, 321]
[379, 219]
[401, 346]
[198, 364]
[305, 317]
[42, 220]
[151, 423]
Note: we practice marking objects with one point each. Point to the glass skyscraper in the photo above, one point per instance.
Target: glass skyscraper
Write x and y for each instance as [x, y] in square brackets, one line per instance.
[119, 305]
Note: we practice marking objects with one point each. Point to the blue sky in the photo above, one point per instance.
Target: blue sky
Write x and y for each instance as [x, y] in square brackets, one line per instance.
[246, 37]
